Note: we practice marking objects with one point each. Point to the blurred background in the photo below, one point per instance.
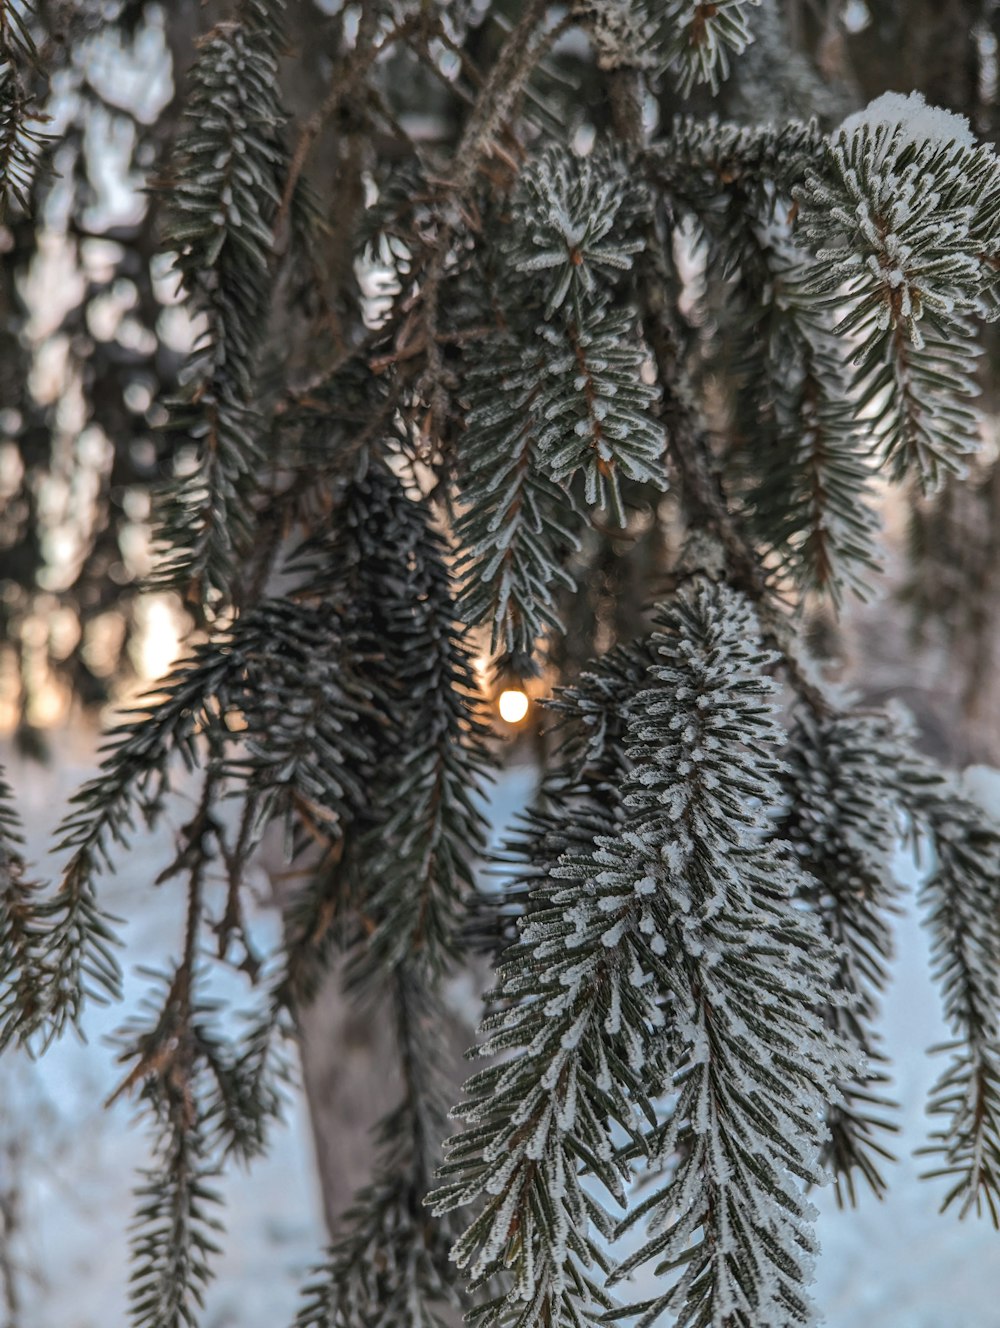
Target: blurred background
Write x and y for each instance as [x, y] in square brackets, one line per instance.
[93, 338]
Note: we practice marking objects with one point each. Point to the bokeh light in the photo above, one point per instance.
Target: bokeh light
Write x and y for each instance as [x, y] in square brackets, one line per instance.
[513, 704]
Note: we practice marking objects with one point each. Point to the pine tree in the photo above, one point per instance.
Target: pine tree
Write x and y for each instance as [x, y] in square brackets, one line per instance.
[643, 362]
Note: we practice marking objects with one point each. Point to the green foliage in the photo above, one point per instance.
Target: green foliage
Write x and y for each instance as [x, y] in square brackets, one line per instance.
[751, 1058]
[572, 401]
[368, 655]
[715, 168]
[624, 33]
[579, 797]
[174, 1234]
[800, 463]
[422, 827]
[383, 567]
[547, 1102]
[517, 525]
[843, 822]
[574, 222]
[893, 225]
[225, 186]
[703, 35]
[23, 938]
[810, 492]
[208, 1100]
[596, 410]
[617, 991]
[800, 466]
[701, 346]
[961, 901]
[303, 761]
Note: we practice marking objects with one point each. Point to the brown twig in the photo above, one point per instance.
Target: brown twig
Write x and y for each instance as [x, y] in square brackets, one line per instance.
[504, 84]
[360, 62]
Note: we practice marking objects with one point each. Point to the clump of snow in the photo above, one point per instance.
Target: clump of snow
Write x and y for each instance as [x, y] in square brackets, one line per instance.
[917, 122]
[982, 784]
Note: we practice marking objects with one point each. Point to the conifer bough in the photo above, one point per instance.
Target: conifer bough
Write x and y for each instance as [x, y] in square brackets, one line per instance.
[619, 416]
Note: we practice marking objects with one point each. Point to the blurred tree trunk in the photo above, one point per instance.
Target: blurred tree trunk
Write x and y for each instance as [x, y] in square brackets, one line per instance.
[350, 1073]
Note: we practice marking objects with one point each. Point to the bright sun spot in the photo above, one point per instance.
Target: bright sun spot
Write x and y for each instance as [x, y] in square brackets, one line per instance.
[158, 637]
[513, 705]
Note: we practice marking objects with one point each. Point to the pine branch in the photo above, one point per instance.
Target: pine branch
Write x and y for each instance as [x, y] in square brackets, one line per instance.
[723, 171]
[624, 33]
[596, 412]
[308, 707]
[574, 228]
[245, 1098]
[842, 820]
[224, 193]
[703, 499]
[566, 1056]
[592, 1003]
[809, 481]
[572, 400]
[209, 1100]
[580, 795]
[21, 143]
[571, 1067]
[703, 35]
[596, 708]
[134, 780]
[515, 527]
[175, 1231]
[525, 45]
[384, 568]
[803, 473]
[719, 539]
[753, 1063]
[281, 669]
[960, 901]
[23, 932]
[406, 868]
[892, 224]
[960, 897]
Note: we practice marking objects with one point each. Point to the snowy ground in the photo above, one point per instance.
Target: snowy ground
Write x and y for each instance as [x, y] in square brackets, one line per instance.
[891, 1265]
[899, 1263]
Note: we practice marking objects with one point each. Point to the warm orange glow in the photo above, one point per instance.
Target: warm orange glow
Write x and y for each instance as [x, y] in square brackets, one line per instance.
[158, 640]
[513, 705]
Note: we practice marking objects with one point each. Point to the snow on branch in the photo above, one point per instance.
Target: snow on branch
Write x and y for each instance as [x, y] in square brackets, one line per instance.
[703, 36]
[633, 976]
[895, 215]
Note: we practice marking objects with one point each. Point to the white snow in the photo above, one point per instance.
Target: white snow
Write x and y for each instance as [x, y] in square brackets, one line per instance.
[899, 1263]
[916, 120]
[981, 783]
